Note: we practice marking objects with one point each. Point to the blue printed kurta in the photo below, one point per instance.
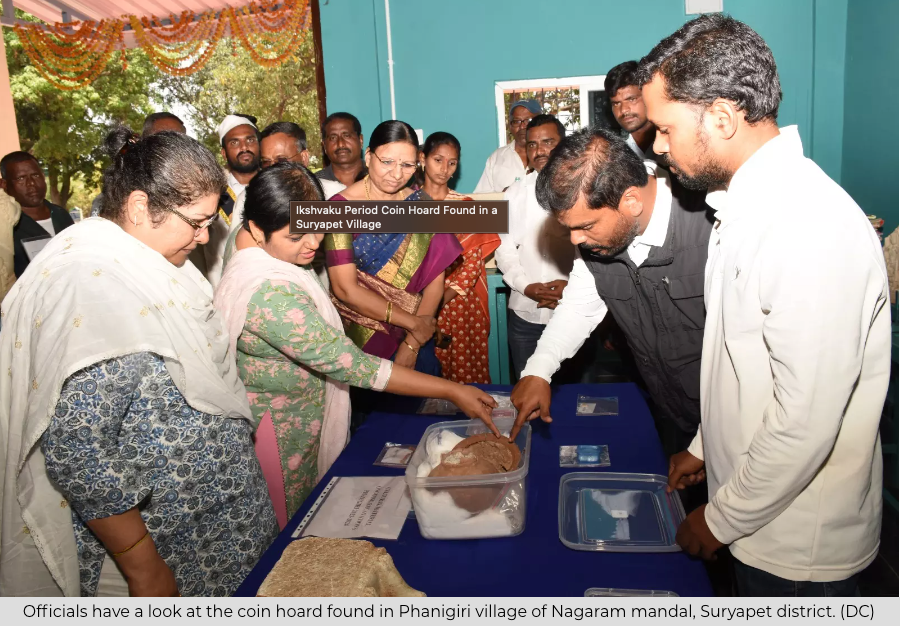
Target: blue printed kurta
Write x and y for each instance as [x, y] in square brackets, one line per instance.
[124, 436]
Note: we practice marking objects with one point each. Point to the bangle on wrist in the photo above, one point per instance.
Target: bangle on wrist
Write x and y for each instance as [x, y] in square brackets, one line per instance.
[133, 546]
[390, 311]
[414, 351]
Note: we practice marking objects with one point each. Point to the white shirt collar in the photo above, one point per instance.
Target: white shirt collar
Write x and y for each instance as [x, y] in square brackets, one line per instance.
[786, 145]
[658, 227]
[236, 187]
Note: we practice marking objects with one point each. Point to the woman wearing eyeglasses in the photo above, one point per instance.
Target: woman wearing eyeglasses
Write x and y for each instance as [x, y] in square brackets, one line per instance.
[128, 458]
[388, 287]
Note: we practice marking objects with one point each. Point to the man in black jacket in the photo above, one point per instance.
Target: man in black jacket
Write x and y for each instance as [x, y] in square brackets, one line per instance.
[643, 241]
[21, 177]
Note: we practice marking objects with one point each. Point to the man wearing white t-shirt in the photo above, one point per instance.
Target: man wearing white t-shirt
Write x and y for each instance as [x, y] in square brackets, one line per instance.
[796, 349]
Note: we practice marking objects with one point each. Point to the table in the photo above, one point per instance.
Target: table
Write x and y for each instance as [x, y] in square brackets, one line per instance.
[534, 563]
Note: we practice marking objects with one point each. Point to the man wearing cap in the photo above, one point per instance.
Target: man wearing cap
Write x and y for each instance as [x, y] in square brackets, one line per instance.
[240, 149]
[507, 164]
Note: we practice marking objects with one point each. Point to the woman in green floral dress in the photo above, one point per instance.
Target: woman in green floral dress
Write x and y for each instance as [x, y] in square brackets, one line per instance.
[292, 353]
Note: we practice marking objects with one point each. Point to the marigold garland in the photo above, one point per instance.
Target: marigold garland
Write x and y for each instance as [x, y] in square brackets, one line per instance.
[72, 55]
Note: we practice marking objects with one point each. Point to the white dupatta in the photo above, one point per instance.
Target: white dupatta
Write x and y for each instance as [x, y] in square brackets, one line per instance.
[245, 272]
[93, 293]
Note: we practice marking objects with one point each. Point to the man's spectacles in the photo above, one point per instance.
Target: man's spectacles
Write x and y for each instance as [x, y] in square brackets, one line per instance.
[391, 164]
[281, 159]
[197, 226]
[517, 123]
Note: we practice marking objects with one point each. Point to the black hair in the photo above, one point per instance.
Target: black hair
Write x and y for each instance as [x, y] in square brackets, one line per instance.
[269, 195]
[434, 141]
[440, 138]
[595, 163]
[287, 128]
[155, 117]
[171, 168]
[716, 56]
[19, 156]
[392, 131]
[342, 115]
[546, 118]
[252, 120]
[622, 75]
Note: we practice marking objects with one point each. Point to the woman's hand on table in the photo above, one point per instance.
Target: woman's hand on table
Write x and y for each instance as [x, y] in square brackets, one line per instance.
[423, 328]
[475, 403]
[531, 397]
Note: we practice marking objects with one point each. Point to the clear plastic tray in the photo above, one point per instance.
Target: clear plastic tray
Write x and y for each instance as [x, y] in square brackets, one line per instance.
[469, 507]
[613, 512]
[611, 592]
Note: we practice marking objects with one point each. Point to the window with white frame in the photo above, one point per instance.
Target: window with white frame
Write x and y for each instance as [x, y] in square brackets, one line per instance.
[577, 101]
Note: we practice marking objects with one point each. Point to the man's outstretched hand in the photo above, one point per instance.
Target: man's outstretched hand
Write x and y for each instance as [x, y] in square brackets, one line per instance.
[531, 397]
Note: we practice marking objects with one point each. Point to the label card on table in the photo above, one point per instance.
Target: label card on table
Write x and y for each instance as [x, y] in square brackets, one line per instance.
[362, 506]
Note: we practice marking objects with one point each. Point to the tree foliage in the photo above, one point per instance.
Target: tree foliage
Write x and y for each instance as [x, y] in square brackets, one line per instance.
[65, 129]
[231, 82]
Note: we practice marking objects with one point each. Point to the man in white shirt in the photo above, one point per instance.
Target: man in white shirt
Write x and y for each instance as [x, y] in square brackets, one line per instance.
[536, 255]
[507, 164]
[796, 349]
[285, 142]
[239, 137]
[628, 108]
[643, 244]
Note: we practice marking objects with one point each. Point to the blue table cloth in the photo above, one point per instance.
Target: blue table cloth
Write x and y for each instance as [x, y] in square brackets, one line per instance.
[535, 563]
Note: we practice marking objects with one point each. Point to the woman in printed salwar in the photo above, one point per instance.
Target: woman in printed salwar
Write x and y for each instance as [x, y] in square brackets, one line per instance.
[292, 353]
[129, 465]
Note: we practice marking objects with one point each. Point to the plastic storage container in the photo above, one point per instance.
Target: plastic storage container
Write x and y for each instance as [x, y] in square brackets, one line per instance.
[468, 507]
[610, 592]
[614, 512]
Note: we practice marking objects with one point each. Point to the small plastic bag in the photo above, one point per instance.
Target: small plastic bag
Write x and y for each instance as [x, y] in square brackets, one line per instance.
[584, 456]
[502, 399]
[395, 455]
[437, 406]
[591, 406]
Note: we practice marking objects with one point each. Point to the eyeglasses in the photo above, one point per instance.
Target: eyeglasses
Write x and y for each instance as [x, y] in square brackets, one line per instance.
[197, 226]
[282, 159]
[517, 123]
[391, 164]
